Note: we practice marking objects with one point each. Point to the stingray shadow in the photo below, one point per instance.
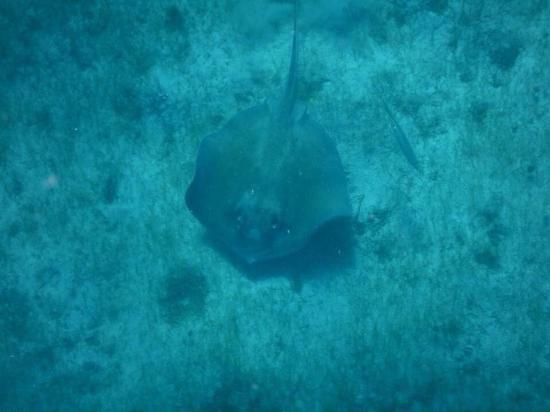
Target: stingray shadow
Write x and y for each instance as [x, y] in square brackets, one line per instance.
[329, 251]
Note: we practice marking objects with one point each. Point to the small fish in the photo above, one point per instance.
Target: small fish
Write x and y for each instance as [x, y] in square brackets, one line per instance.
[400, 136]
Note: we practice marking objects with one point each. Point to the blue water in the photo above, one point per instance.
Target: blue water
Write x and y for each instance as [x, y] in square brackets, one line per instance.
[436, 296]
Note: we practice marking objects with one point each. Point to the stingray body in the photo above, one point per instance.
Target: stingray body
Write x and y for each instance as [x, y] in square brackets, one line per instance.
[269, 179]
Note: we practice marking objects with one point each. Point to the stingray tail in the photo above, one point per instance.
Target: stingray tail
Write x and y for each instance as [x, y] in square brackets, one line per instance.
[289, 98]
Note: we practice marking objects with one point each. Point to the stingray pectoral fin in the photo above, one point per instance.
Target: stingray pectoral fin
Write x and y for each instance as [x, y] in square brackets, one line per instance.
[224, 165]
[199, 196]
[319, 193]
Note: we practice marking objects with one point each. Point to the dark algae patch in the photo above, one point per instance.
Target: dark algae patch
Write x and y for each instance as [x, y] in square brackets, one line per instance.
[183, 293]
[504, 51]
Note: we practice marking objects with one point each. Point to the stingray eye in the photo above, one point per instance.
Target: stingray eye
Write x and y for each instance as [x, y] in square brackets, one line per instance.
[275, 222]
[241, 220]
[236, 216]
[277, 226]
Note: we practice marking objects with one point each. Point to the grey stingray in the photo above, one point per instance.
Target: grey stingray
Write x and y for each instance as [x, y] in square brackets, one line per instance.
[269, 179]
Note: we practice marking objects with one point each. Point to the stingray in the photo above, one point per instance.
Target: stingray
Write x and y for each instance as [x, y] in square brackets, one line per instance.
[270, 178]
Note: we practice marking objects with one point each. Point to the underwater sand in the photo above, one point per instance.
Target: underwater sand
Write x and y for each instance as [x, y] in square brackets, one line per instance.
[113, 298]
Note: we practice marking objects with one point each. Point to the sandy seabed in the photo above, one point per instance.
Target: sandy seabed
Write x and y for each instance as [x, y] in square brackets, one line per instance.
[113, 298]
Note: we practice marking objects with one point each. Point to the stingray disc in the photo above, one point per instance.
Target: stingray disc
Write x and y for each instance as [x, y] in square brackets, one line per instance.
[263, 189]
